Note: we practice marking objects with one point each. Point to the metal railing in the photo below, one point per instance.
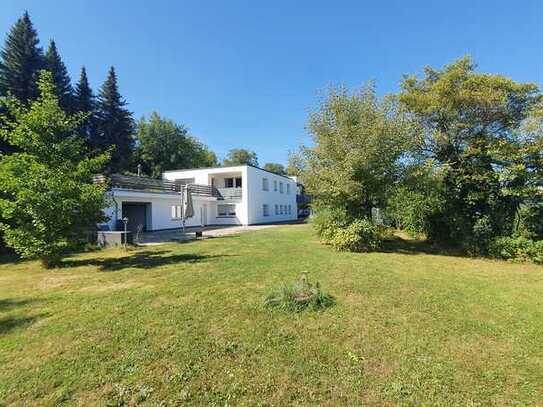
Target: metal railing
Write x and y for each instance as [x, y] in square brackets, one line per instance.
[229, 193]
[157, 185]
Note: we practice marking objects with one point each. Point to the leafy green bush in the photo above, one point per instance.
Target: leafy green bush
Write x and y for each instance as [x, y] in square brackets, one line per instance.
[360, 235]
[327, 220]
[298, 296]
[517, 248]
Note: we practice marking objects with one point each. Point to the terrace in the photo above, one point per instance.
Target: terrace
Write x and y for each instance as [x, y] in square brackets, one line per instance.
[145, 184]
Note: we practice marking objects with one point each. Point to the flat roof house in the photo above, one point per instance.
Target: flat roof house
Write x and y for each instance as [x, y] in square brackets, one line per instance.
[239, 195]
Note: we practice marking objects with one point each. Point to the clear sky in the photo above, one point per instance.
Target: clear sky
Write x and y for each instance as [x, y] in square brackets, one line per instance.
[246, 73]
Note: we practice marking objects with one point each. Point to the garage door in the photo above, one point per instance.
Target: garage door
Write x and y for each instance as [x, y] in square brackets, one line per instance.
[136, 214]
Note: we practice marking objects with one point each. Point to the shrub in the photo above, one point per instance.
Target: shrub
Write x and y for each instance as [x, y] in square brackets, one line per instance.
[360, 235]
[298, 296]
[517, 248]
[327, 220]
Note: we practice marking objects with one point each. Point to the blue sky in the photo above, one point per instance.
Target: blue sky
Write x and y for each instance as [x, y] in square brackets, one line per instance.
[246, 73]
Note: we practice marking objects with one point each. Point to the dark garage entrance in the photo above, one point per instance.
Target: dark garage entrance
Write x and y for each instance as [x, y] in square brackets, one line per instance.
[136, 213]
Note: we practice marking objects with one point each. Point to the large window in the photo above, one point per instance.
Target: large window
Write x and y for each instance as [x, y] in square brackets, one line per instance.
[288, 189]
[265, 184]
[232, 182]
[266, 210]
[224, 211]
[280, 187]
[275, 185]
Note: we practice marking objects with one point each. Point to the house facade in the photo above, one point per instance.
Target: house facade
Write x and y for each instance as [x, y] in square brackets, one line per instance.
[240, 195]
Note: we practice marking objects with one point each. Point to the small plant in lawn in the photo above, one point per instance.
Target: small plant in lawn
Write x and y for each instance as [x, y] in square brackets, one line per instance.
[298, 296]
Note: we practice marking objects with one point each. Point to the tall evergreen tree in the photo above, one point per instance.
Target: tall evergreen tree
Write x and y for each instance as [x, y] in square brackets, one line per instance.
[61, 79]
[20, 60]
[116, 125]
[85, 102]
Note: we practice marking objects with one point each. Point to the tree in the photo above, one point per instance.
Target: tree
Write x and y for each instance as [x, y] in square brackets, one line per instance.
[469, 123]
[359, 141]
[85, 102]
[61, 79]
[296, 164]
[274, 167]
[21, 59]
[163, 145]
[115, 125]
[48, 191]
[240, 156]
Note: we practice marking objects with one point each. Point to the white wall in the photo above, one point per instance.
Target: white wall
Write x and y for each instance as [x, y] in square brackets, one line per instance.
[259, 197]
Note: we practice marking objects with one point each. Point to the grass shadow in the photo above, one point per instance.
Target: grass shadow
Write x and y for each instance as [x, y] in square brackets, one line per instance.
[141, 260]
[8, 324]
[398, 244]
[7, 304]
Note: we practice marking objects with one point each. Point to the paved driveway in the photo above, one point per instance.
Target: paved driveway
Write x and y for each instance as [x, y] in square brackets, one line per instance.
[154, 238]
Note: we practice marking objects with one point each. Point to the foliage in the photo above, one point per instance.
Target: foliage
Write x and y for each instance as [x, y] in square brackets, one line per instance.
[276, 168]
[359, 236]
[48, 196]
[327, 220]
[163, 145]
[470, 122]
[298, 296]
[21, 59]
[517, 248]
[240, 156]
[335, 227]
[84, 102]
[296, 164]
[115, 125]
[358, 143]
[415, 200]
[61, 79]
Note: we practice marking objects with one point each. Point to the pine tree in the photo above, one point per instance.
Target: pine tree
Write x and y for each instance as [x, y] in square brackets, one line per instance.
[85, 102]
[116, 125]
[61, 79]
[20, 61]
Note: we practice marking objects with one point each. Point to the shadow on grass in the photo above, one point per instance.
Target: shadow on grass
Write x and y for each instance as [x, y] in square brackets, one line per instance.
[414, 246]
[9, 303]
[141, 260]
[8, 324]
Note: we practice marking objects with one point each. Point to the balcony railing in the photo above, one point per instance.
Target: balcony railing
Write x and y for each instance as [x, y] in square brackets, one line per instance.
[157, 185]
[136, 183]
[229, 193]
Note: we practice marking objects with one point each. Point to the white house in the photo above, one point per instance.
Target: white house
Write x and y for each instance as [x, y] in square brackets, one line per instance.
[240, 195]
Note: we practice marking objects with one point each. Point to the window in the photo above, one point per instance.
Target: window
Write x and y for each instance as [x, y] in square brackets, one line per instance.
[280, 209]
[266, 210]
[265, 185]
[226, 210]
[229, 182]
[276, 209]
[280, 187]
[289, 209]
[275, 185]
[176, 211]
[238, 182]
[288, 189]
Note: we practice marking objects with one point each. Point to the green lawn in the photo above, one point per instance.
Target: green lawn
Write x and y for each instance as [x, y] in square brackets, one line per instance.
[184, 324]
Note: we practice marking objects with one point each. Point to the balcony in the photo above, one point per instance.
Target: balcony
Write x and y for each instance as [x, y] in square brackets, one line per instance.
[146, 184]
[228, 193]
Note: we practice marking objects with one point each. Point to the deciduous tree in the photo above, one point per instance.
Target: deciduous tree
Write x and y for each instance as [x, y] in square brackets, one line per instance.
[164, 145]
[48, 195]
[240, 156]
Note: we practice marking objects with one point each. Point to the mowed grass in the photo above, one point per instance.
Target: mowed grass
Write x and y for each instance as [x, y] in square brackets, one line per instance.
[184, 324]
